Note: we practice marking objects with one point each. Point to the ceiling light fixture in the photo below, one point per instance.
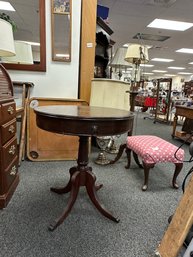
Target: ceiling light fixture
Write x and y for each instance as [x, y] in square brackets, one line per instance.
[146, 65]
[162, 60]
[176, 68]
[6, 6]
[159, 71]
[170, 24]
[170, 75]
[185, 50]
[185, 73]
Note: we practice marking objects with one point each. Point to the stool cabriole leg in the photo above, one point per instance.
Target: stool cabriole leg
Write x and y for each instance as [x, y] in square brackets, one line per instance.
[147, 167]
[178, 167]
[128, 152]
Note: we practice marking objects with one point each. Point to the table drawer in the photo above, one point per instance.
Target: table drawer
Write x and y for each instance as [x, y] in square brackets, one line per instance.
[8, 130]
[8, 111]
[9, 152]
[9, 175]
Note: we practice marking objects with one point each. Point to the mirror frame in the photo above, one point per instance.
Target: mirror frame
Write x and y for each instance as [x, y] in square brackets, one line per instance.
[52, 33]
[37, 66]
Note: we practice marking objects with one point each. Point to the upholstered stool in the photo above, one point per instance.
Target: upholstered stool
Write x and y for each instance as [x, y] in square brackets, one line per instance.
[152, 150]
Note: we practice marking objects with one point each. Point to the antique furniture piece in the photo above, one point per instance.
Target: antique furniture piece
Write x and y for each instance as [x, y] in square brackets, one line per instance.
[43, 145]
[8, 141]
[162, 111]
[82, 121]
[152, 150]
[61, 30]
[22, 95]
[38, 19]
[184, 112]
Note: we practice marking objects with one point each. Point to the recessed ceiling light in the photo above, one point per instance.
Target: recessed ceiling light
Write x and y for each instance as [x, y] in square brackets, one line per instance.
[6, 6]
[176, 68]
[148, 73]
[185, 50]
[162, 60]
[160, 71]
[190, 63]
[170, 75]
[146, 65]
[185, 73]
[169, 24]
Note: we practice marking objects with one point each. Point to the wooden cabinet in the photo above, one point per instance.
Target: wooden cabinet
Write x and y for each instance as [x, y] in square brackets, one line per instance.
[8, 142]
[103, 48]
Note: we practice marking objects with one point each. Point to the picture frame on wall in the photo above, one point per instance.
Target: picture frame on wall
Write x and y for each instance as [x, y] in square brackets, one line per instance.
[61, 6]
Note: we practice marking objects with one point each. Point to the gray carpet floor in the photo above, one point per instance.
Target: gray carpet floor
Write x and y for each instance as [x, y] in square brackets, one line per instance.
[85, 232]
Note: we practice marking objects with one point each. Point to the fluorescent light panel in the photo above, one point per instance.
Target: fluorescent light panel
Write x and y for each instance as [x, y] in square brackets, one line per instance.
[146, 65]
[185, 50]
[176, 68]
[170, 75]
[185, 73]
[170, 24]
[147, 73]
[160, 71]
[162, 60]
[6, 6]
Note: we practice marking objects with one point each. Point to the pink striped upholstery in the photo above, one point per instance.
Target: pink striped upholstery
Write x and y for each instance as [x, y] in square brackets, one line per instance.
[153, 149]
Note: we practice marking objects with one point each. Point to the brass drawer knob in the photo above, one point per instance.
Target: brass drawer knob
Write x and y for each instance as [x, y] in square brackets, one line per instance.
[12, 150]
[11, 129]
[10, 110]
[13, 171]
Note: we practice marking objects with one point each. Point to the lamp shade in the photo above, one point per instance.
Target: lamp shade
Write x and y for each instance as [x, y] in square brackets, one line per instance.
[137, 53]
[23, 55]
[7, 47]
[118, 59]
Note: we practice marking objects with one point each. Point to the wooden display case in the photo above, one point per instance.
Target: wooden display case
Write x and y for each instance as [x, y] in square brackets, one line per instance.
[163, 100]
[46, 146]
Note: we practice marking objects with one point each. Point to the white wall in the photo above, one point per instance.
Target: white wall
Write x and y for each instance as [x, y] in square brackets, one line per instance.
[61, 79]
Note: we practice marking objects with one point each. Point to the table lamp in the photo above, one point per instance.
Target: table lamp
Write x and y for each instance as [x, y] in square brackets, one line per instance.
[7, 47]
[136, 54]
[23, 55]
[118, 61]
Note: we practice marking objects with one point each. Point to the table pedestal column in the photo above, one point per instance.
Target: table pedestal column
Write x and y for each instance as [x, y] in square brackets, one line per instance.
[80, 175]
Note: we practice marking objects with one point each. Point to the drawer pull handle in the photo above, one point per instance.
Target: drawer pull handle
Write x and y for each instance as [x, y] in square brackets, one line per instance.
[12, 150]
[11, 129]
[13, 171]
[10, 110]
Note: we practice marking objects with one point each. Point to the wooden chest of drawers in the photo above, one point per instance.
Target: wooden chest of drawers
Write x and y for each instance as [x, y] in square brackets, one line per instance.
[8, 142]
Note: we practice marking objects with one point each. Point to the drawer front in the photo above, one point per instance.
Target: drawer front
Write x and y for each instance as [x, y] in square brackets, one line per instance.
[8, 111]
[8, 130]
[9, 175]
[9, 152]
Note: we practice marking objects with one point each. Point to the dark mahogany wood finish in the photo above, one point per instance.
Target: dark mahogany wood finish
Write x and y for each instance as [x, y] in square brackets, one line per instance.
[8, 142]
[83, 121]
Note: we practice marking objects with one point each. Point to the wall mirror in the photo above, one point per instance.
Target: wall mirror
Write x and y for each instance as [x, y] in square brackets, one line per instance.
[61, 30]
[29, 17]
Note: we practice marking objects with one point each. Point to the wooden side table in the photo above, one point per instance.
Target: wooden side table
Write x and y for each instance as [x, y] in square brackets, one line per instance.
[82, 121]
